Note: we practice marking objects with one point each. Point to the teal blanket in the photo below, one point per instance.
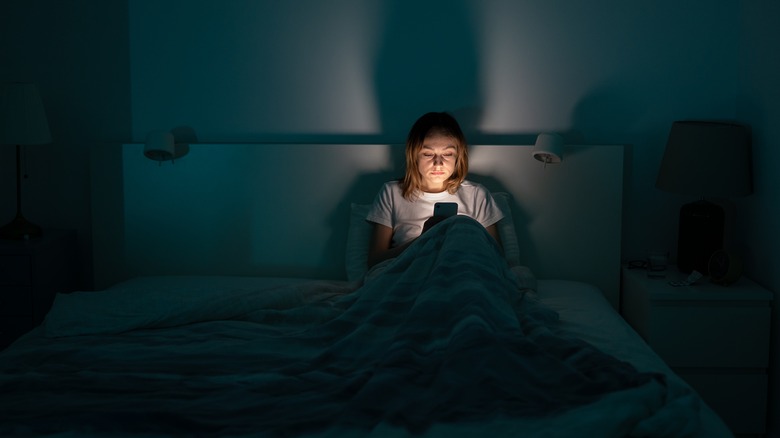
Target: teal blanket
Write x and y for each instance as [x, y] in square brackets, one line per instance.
[441, 343]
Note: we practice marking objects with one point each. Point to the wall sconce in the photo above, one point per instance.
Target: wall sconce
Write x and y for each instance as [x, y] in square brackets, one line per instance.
[161, 146]
[22, 122]
[548, 148]
[704, 159]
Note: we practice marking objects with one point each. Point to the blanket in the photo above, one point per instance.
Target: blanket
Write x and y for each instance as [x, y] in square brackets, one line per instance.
[441, 343]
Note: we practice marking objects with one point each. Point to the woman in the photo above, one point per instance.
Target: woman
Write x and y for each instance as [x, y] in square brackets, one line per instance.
[436, 167]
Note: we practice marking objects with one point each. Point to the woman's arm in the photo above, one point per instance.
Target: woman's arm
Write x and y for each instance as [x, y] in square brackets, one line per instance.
[379, 248]
[493, 231]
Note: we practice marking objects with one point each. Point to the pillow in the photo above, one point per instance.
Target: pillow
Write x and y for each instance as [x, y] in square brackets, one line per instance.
[506, 229]
[359, 235]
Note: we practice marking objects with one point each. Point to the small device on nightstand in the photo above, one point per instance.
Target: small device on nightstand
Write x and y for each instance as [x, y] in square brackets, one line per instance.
[31, 273]
[716, 338]
[725, 267]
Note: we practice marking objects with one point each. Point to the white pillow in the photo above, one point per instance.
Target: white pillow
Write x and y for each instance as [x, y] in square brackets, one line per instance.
[359, 235]
[358, 239]
[506, 229]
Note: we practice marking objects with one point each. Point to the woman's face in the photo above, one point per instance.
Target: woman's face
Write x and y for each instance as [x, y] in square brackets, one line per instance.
[436, 162]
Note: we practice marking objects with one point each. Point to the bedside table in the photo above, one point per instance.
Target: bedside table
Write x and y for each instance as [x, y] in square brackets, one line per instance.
[31, 273]
[715, 337]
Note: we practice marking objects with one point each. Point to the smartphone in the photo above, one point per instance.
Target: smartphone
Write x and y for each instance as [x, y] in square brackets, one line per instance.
[445, 209]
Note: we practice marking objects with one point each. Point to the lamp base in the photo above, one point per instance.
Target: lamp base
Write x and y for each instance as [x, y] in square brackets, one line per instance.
[20, 229]
[700, 235]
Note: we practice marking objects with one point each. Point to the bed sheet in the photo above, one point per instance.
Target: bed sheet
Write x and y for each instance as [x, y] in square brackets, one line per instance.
[414, 352]
[585, 312]
[119, 363]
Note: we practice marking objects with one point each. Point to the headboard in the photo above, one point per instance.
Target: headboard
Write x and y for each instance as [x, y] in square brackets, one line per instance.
[283, 209]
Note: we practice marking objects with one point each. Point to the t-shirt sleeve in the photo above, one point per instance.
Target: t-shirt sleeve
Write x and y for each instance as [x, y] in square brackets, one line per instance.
[381, 211]
[488, 212]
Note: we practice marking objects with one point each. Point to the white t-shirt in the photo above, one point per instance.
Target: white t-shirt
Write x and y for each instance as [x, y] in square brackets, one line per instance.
[406, 218]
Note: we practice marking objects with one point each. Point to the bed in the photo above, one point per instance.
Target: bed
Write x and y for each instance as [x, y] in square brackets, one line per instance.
[455, 337]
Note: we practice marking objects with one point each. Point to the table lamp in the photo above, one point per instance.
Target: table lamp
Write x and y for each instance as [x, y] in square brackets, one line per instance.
[710, 160]
[22, 122]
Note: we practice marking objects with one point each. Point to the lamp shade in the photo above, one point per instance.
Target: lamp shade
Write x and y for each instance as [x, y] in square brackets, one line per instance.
[707, 159]
[22, 116]
[548, 148]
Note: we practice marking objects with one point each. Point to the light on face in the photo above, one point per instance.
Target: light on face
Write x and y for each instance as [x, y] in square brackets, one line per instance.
[445, 157]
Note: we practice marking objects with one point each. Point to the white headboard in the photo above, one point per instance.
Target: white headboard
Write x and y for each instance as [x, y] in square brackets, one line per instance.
[283, 209]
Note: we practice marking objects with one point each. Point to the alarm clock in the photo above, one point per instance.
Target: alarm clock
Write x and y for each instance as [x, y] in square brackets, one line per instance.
[724, 267]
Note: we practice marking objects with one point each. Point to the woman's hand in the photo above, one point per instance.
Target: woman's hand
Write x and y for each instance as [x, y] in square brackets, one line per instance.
[433, 220]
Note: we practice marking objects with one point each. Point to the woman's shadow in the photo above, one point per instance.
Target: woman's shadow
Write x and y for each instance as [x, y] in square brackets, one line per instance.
[427, 60]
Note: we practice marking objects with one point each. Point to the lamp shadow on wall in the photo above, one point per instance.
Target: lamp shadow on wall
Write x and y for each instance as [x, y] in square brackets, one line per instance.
[184, 136]
[607, 112]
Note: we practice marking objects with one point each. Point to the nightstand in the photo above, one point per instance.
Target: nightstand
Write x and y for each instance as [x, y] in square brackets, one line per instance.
[31, 273]
[715, 337]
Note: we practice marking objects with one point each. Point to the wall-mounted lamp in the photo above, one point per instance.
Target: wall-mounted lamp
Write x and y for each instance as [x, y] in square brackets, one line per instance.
[548, 148]
[161, 146]
[704, 159]
[22, 122]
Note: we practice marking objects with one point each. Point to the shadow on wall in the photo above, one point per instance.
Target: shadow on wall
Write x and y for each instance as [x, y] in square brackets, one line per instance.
[427, 60]
[590, 114]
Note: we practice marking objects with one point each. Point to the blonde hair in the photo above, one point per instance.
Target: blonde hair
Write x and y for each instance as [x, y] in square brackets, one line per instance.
[433, 123]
